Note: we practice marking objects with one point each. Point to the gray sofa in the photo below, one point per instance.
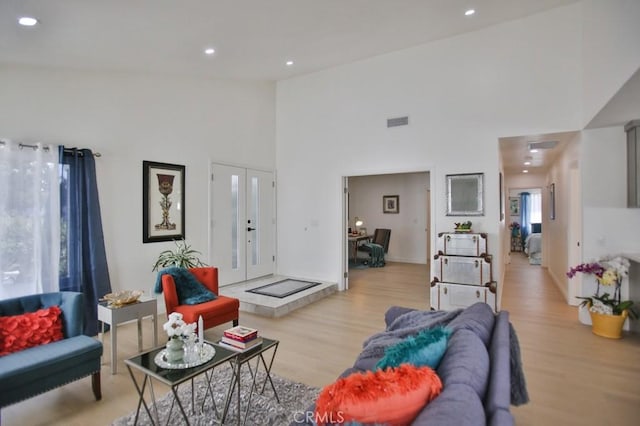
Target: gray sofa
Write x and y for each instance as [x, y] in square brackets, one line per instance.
[41, 368]
[481, 369]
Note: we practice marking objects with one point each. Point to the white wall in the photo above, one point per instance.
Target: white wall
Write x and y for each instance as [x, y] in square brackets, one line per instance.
[461, 95]
[408, 241]
[609, 227]
[130, 118]
[555, 233]
[610, 50]
[607, 220]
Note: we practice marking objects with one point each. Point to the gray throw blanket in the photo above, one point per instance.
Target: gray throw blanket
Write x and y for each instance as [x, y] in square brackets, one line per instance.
[519, 393]
[413, 322]
[405, 325]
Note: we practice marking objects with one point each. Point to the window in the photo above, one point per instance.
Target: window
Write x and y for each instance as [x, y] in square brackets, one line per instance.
[536, 208]
[29, 219]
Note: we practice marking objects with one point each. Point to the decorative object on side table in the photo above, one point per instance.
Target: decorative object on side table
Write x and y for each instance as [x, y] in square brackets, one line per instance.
[608, 312]
[463, 227]
[121, 298]
[515, 228]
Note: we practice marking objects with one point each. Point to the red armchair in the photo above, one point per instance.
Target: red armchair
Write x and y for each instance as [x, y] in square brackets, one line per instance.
[215, 312]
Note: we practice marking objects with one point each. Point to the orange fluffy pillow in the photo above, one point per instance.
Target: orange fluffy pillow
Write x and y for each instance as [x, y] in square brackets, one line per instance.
[24, 331]
[392, 397]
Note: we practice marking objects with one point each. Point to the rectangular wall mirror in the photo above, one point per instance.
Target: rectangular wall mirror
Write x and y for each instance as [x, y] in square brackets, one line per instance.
[465, 194]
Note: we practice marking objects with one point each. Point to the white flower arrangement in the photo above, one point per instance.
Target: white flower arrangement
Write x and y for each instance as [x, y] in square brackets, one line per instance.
[176, 327]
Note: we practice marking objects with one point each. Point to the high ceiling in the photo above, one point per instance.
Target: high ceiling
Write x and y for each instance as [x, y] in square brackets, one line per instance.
[253, 38]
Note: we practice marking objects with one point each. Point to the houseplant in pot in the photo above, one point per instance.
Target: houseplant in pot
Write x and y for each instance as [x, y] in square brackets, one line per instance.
[608, 312]
[183, 256]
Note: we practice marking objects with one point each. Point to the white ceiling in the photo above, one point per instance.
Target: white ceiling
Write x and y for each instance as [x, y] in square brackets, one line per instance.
[252, 38]
[515, 151]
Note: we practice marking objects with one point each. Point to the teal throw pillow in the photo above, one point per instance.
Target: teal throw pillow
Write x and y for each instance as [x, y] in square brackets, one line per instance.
[424, 349]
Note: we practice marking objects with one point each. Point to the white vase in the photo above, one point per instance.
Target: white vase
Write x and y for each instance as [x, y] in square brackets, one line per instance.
[175, 350]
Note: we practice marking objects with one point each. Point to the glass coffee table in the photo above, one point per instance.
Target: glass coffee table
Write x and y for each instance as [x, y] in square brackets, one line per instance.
[173, 375]
[258, 353]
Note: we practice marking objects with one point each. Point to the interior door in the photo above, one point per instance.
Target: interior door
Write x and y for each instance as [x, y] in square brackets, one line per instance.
[346, 247]
[242, 223]
[575, 235]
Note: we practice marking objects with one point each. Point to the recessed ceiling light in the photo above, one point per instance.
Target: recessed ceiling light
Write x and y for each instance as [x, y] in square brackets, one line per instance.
[289, 63]
[27, 21]
[209, 51]
[527, 163]
[469, 12]
[533, 150]
[525, 171]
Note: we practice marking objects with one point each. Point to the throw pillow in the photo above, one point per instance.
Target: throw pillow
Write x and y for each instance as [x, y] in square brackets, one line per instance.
[30, 329]
[424, 349]
[393, 396]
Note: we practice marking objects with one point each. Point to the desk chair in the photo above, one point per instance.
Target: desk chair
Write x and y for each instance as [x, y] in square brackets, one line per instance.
[381, 236]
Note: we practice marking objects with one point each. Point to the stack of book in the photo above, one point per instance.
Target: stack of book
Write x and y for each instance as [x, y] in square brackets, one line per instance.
[240, 338]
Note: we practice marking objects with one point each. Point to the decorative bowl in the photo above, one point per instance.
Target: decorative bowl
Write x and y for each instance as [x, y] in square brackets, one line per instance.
[123, 297]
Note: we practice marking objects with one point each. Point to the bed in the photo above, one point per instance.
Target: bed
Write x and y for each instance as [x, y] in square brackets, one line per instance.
[533, 244]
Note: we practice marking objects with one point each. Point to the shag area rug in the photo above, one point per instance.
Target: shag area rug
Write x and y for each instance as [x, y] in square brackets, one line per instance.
[294, 397]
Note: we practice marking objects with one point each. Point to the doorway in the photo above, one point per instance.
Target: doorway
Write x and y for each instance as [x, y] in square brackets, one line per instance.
[409, 218]
[242, 235]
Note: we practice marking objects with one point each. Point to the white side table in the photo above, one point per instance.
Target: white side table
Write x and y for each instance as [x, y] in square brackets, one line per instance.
[136, 311]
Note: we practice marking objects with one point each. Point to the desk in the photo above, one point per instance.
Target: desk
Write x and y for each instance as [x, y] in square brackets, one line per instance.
[354, 240]
[135, 311]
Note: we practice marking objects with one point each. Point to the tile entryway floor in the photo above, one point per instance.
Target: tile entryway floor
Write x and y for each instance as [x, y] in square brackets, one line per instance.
[273, 306]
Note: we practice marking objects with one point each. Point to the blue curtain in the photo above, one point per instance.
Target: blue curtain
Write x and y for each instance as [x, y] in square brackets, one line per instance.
[525, 216]
[83, 257]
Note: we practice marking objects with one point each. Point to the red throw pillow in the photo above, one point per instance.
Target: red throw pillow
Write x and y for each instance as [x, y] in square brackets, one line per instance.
[392, 397]
[24, 331]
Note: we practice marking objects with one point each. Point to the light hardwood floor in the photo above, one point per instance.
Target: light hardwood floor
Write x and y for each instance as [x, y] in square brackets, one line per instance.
[573, 376]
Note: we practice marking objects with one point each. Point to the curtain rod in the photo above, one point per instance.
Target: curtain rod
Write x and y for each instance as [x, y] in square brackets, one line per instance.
[46, 148]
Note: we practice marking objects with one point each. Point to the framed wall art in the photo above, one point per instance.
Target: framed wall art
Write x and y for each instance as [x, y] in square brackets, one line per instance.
[501, 203]
[465, 194]
[514, 206]
[552, 201]
[162, 202]
[390, 204]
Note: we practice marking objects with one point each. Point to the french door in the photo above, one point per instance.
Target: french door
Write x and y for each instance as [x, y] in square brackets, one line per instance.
[242, 239]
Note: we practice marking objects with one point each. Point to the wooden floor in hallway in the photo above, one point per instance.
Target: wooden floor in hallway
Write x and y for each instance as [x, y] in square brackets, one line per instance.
[574, 377]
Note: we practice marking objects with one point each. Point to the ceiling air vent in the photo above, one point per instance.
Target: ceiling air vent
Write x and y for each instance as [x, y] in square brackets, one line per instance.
[399, 121]
[542, 145]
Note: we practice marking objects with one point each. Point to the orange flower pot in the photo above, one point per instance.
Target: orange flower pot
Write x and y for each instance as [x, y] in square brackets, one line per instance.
[609, 326]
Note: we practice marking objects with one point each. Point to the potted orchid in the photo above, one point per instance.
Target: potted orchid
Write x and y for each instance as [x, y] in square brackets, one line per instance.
[178, 331]
[608, 312]
[515, 228]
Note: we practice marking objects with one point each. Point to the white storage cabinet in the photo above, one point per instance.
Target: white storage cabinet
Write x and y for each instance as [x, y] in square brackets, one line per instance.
[463, 272]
